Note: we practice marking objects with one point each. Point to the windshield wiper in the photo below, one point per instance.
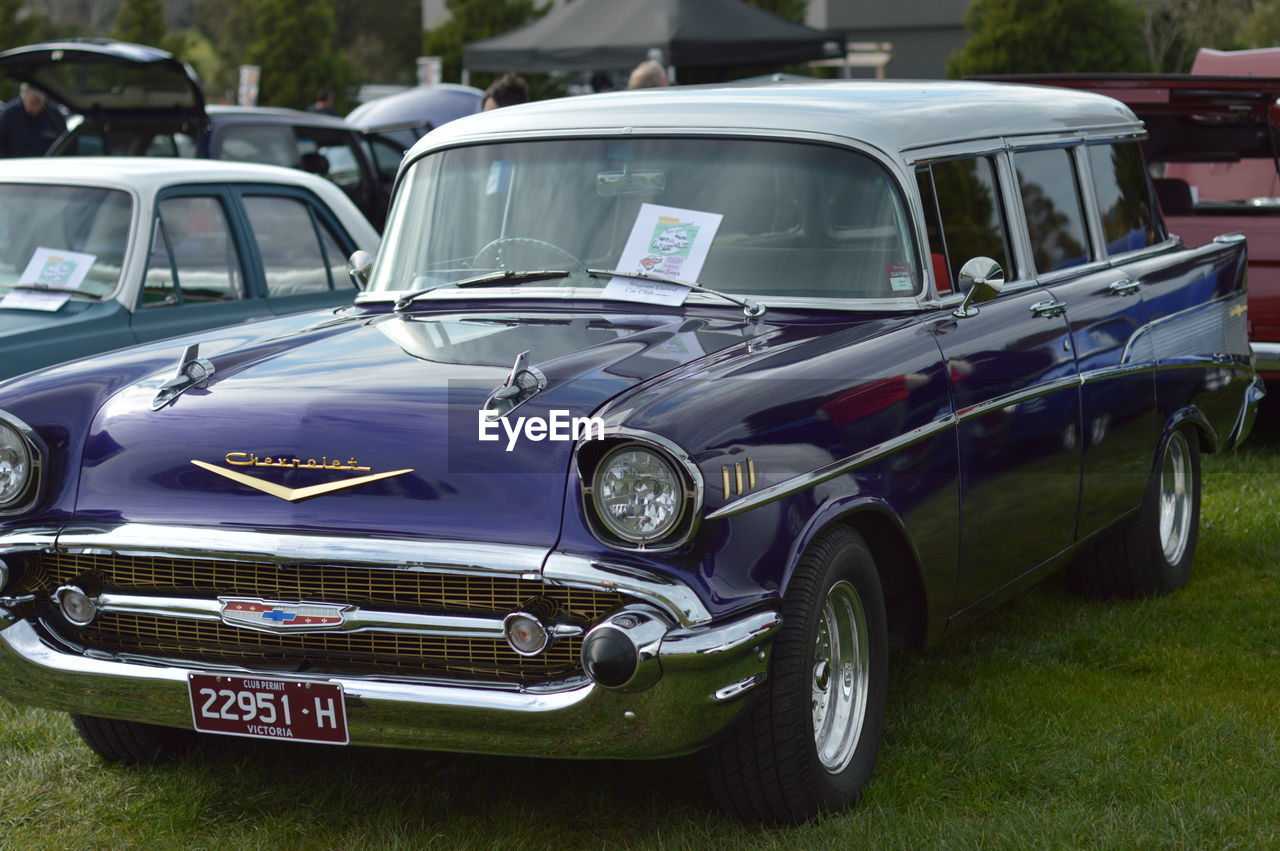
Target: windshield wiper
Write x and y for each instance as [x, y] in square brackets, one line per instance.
[750, 309]
[489, 279]
[50, 288]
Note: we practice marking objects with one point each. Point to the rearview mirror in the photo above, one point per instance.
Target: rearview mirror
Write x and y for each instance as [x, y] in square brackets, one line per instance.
[358, 266]
[982, 279]
[628, 182]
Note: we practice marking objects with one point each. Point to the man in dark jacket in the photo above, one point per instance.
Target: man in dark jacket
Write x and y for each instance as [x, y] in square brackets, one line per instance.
[29, 125]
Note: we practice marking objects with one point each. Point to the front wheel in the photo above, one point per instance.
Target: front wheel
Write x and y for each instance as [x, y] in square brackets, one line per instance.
[808, 742]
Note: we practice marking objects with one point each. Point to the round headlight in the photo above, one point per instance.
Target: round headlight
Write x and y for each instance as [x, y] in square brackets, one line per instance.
[638, 494]
[16, 466]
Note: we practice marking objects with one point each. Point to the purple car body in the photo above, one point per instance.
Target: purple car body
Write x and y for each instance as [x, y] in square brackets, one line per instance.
[853, 432]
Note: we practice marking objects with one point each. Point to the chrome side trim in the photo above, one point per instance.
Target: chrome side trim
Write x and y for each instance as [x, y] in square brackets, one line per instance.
[834, 469]
[1146, 332]
[1266, 356]
[874, 453]
[671, 596]
[354, 620]
[222, 544]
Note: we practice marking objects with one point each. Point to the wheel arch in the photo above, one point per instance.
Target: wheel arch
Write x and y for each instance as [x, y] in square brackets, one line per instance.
[896, 559]
[1207, 436]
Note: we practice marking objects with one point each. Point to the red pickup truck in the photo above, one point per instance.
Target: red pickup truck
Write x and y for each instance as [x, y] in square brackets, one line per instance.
[1214, 151]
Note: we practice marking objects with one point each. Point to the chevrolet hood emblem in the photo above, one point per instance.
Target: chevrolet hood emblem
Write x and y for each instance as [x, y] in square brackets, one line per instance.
[295, 494]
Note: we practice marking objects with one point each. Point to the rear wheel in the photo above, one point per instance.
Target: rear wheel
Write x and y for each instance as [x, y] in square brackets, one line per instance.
[809, 740]
[1152, 552]
[131, 742]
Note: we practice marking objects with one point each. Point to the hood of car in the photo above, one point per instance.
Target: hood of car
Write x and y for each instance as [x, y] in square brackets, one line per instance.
[97, 76]
[374, 424]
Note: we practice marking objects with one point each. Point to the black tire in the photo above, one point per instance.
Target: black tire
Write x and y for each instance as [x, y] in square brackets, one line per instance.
[1138, 557]
[767, 768]
[131, 742]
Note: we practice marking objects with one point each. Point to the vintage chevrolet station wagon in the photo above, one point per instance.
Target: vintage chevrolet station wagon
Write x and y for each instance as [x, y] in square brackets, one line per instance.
[662, 417]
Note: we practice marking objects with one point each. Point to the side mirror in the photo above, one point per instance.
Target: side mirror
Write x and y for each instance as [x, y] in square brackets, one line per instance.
[358, 266]
[982, 280]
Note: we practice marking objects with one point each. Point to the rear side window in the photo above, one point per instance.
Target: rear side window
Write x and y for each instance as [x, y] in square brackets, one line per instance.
[963, 217]
[1124, 197]
[298, 254]
[1051, 202]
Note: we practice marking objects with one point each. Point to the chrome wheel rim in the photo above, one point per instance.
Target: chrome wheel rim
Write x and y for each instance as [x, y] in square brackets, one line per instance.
[1175, 498]
[840, 677]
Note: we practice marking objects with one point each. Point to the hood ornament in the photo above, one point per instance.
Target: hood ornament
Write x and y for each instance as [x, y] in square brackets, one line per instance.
[522, 384]
[193, 371]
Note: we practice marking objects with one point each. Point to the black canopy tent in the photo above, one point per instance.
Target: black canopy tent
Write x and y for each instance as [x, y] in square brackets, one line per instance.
[614, 34]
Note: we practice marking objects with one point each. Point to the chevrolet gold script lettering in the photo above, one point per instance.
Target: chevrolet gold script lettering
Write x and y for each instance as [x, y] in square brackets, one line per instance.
[248, 459]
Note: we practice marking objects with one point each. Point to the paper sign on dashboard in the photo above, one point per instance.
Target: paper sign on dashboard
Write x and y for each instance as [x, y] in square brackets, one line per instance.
[665, 241]
[56, 268]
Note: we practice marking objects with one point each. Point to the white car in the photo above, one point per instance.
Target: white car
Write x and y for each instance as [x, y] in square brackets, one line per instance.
[102, 252]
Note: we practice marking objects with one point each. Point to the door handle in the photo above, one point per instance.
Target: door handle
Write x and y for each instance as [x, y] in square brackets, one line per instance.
[1049, 308]
[1127, 286]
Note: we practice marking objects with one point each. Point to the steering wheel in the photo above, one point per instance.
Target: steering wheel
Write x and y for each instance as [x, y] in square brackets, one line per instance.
[509, 252]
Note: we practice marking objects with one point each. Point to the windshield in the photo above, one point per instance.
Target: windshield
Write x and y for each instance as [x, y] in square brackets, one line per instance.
[65, 237]
[759, 218]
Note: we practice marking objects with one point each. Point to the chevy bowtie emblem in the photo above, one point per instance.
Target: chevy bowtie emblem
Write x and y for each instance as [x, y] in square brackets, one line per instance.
[273, 616]
[243, 459]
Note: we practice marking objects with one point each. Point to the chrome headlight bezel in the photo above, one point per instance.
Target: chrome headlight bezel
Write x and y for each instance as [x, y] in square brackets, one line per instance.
[589, 456]
[26, 496]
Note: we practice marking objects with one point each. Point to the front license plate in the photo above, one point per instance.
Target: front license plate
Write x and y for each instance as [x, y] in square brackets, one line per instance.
[267, 708]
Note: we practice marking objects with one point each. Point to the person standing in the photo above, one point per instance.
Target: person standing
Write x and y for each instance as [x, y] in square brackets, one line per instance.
[507, 90]
[323, 103]
[28, 124]
[648, 75]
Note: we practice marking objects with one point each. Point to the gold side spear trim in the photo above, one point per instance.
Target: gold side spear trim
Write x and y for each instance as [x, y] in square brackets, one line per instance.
[295, 494]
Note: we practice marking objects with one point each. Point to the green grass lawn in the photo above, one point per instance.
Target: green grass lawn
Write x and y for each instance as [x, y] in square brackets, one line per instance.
[1055, 721]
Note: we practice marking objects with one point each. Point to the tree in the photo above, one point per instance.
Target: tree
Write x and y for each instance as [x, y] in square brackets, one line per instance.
[792, 10]
[1053, 36]
[294, 47]
[141, 22]
[231, 29]
[1173, 30]
[17, 29]
[473, 20]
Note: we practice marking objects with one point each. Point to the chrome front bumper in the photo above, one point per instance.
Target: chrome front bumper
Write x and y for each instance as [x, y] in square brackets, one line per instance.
[705, 672]
[706, 668]
[1266, 357]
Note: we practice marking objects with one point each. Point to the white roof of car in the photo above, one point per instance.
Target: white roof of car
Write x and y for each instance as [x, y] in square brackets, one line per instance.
[894, 116]
[145, 174]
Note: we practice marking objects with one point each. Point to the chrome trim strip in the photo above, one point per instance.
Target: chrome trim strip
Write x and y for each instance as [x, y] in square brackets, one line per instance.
[834, 469]
[1017, 396]
[1266, 356]
[672, 596]
[223, 544]
[874, 453]
[1155, 323]
[357, 620]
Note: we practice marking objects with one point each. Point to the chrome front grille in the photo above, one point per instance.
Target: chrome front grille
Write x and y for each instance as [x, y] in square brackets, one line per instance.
[216, 643]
